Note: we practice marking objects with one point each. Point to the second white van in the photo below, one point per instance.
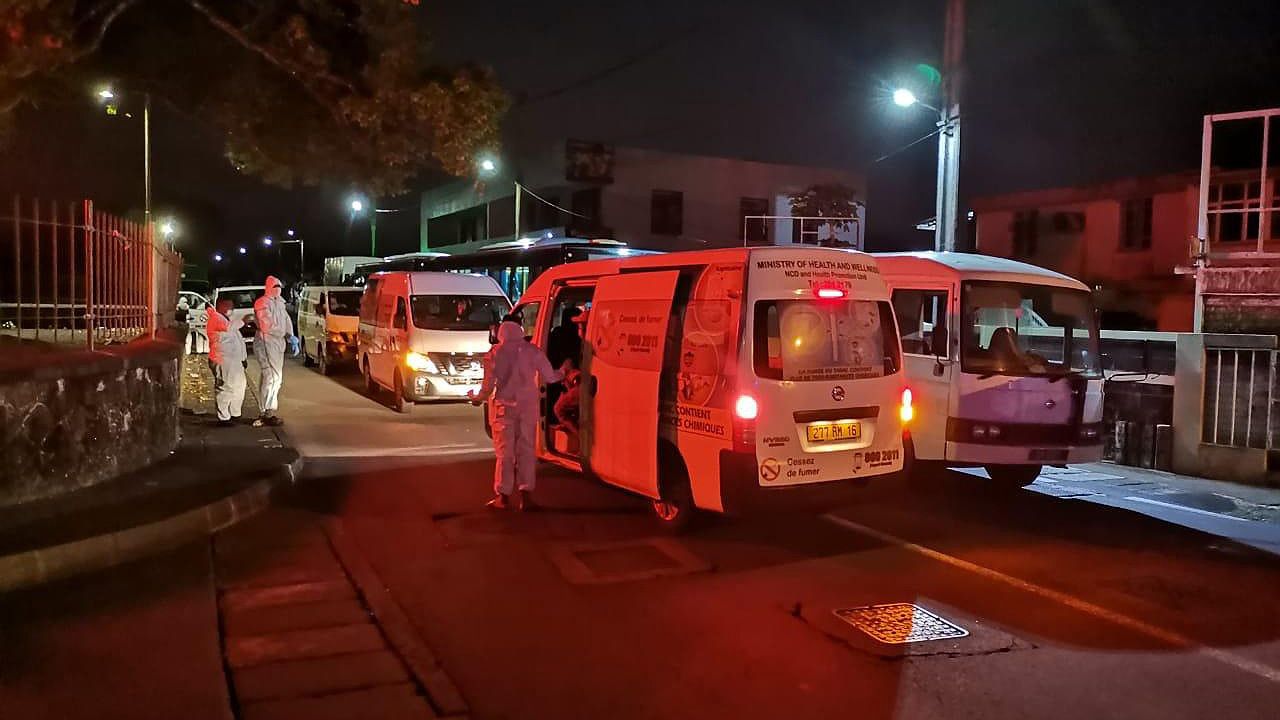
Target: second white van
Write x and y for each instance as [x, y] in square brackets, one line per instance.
[423, 335]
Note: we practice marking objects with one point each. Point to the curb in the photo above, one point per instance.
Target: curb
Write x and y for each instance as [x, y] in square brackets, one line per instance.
[56, 562]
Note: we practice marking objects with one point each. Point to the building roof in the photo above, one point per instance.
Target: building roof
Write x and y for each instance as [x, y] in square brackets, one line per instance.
[973, 266]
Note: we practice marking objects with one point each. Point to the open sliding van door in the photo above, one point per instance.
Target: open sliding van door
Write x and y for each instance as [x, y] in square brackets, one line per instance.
[622, 363]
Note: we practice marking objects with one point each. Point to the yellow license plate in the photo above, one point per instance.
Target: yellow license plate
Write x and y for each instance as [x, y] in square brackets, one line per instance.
[834, 432]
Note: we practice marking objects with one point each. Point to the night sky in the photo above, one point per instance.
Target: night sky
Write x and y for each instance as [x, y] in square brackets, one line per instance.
[1057, 93]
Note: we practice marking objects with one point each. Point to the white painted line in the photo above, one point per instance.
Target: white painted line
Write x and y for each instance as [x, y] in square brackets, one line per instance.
[1266, 672]
[1184, 508]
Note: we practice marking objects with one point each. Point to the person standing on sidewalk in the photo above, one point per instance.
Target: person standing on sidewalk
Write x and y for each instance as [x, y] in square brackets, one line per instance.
[275, 330]
[512, 374]
[227, 358]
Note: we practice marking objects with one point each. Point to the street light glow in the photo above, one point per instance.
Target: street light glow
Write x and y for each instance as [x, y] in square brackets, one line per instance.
[167, 228]
[106, 93]
[289, 232]
[357, 206]
[267, 241]
[903, 97]
[217, 257]
[243, 250]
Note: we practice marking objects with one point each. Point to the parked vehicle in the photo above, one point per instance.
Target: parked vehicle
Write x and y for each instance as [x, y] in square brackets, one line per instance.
[328, 326]
[340, 270]
[1003, 360]
[423, 335]
[729, 380]
[242, 299]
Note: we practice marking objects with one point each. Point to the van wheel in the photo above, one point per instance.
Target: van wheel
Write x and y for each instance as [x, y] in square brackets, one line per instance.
[400, 403]
[1012, 477]
[370, 387]
[674, 509]
[306, 359]
[322, 359]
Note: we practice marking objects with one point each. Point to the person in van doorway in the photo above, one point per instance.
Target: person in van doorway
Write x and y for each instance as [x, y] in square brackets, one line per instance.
[512, 374]
[227, 358]
[275, 330]
[563, 345]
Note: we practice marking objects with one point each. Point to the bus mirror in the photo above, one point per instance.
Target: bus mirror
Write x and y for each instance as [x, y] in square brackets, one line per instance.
[938, 341]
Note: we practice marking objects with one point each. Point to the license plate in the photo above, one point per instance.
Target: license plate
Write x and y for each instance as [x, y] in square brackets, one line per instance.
[1048, 455]
[834, 432]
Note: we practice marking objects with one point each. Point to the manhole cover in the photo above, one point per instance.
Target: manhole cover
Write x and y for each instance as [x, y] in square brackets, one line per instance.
[642, 559]
[900, 623]
[626, 559]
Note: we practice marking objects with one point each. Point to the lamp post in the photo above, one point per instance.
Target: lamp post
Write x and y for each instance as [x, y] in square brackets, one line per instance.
[948, 182]
[357, 208]
[487, 168]
[107, 95]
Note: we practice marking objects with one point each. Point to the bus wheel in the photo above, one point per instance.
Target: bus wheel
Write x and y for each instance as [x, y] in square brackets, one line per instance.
[1013, 476]
[399, 402]
[674, 509]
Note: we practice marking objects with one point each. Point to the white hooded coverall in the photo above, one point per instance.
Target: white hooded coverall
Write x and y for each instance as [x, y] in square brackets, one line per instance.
[512, 375]
[227, 354]
[274, 327]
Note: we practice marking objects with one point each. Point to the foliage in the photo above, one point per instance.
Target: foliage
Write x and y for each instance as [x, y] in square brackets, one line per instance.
[826, 200]
[303, 91]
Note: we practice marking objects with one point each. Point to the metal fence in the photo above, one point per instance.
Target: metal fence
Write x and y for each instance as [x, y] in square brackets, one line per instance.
[70, 274]
[1241, 398]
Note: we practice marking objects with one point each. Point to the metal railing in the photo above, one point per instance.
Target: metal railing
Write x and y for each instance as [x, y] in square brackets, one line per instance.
[1241, 392]
[70, 274]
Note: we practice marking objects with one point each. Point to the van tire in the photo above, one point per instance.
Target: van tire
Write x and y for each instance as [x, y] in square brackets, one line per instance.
[399, 402]
[322, 360]
[306, 359]
[674, 510]
[370, 386]
[1012, 477]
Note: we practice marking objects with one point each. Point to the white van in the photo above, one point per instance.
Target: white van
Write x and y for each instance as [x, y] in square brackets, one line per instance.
[729, 380]
[242, 299]
[423, 335]
[1003, 359]
[328, 324]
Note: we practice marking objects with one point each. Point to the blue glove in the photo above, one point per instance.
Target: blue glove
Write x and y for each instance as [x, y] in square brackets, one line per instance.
[295, 346]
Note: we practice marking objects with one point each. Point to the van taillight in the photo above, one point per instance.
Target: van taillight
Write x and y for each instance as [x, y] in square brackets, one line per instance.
[745, 410]
[906, 411]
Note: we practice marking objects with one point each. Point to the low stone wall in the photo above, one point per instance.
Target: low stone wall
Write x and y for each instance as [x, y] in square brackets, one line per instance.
[83, 418]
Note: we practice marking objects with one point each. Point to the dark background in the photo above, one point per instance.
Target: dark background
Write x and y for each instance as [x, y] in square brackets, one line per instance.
[1057, 93]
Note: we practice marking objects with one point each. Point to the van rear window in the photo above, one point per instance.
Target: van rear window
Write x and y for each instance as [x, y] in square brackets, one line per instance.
[822, 340]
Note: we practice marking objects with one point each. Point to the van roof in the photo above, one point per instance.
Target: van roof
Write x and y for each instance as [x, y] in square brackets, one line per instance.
[612, 266]
[971, 266]
[446, 282]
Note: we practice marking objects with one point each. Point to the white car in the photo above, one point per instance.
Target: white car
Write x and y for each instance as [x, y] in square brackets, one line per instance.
[242, 299]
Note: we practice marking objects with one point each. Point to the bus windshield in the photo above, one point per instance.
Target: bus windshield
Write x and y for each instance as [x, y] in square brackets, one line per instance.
[1029, 330]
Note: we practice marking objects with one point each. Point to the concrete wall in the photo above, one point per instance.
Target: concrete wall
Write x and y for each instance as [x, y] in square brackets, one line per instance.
[84, 418]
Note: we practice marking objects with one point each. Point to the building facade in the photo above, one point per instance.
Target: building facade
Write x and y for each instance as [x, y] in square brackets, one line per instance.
[646, 198]
[1129, 238]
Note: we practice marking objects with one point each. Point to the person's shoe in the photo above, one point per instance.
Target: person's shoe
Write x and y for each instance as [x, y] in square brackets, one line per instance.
[499, 502]
[526, 502]
[274, 421]
[261, 422]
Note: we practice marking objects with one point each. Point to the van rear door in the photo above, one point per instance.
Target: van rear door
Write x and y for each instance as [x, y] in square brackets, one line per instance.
[622, 363]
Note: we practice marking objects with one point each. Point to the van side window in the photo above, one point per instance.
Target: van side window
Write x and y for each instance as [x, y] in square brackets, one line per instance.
[528, 317]
[401, 321]
[320, 303]
[922, 320]
[369, 303]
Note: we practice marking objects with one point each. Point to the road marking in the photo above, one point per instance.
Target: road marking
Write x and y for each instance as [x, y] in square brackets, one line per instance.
[1266, 672]
[1184, 508]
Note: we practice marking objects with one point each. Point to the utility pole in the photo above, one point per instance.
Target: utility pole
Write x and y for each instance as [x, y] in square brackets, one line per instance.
[146, 157]
[516, 234]
[946, 211]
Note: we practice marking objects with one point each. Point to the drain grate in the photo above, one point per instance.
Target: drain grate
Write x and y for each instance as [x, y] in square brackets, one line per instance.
[900, 623]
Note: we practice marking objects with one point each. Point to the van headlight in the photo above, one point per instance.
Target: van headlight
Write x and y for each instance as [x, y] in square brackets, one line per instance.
[419, 362]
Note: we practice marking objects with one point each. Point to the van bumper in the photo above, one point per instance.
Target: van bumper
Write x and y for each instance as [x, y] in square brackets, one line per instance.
[426, 386]
[742, 494]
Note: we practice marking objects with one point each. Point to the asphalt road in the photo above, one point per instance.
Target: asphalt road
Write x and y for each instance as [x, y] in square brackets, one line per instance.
[1088, 595]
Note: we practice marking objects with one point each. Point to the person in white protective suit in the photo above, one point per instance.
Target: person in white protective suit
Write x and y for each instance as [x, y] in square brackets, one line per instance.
[275, 330]
[513, 372]
[227, 358]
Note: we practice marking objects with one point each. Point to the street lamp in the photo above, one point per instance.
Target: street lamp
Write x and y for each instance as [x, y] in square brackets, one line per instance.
[267, 241]
[903, 97]
[948, 181]
[289, 232]
[357, 208]
[168, 228]
[107, 95]
[243, 250]
[217, 257]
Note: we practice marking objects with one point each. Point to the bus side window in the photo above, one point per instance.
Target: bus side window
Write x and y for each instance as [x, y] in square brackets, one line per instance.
[922, 321]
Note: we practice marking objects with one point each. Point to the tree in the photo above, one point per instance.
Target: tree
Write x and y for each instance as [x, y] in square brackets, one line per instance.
[827, 200]
[303, 91]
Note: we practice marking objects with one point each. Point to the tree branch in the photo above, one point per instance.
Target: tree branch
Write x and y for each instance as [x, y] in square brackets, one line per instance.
[107, 21]
[293, 70]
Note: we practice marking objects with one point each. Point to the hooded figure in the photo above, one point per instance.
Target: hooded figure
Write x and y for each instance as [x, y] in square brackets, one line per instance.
[227, 355]
[275, 328]
[512, 374]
